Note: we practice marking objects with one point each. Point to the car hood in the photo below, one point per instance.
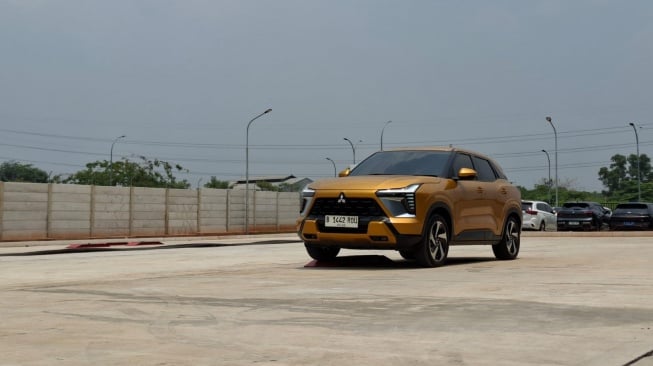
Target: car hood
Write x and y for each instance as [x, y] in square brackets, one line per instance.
[374, 182]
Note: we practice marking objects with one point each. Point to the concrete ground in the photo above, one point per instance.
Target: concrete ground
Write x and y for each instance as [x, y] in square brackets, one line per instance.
[569, 299]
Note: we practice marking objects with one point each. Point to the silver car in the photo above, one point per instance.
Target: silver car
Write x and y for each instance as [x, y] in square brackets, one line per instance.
[537, 215]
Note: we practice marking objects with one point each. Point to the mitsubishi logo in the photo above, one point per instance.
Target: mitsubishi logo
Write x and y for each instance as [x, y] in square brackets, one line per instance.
[341, 199]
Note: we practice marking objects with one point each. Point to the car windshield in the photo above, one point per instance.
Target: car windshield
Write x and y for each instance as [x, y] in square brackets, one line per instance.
[413, 162]
[631, 208]
[576, 205]
[525, 206]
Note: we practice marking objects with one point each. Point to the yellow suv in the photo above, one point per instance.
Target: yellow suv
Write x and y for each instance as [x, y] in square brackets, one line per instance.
[418, 201]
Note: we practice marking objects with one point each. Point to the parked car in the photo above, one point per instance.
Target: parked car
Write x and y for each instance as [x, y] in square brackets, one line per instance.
[537, 215]
[582, 216]
[415, 201]
[632, 216]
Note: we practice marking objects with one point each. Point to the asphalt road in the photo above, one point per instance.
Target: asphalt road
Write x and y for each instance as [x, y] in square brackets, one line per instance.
[567, 300]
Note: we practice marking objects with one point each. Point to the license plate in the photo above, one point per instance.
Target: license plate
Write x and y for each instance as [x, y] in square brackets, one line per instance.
[573, 223]
[341, 221]
[629, 223]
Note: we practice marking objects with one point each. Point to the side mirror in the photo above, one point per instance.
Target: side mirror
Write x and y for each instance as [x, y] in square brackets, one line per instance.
[344, 173]
[467, 174]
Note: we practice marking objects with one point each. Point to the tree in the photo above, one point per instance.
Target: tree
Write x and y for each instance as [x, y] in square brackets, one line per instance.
[215, 183]
[620, 178]
[146, 173]
[267, 186]
[13, 171]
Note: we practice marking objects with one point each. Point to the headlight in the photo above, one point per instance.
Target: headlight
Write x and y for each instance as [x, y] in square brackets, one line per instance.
[399, 201]
[307, 197]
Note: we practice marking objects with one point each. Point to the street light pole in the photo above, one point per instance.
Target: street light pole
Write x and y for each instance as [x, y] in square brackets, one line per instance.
[555, 133]
[353, 149]
[548, 182]
[247, 170]
[639, 188]
[111, 159]
[335, 172]
[383, 129]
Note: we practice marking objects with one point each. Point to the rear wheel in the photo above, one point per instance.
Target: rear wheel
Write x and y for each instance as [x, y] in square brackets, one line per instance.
[322, 253]
[508, 247]
[432, 252]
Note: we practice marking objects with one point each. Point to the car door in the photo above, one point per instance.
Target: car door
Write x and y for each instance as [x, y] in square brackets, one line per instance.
[547, 215]
[469, 209]
[494, 195]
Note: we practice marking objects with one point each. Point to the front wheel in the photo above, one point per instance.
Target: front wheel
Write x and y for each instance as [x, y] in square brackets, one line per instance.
[322, 253]
[432, 252]
[407, 254]
[508, 247]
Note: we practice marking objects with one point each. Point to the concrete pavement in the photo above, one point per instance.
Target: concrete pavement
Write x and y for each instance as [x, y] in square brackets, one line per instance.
[567, 300]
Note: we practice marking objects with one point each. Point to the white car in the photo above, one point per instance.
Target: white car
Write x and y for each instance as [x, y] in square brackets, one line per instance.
[537, 215]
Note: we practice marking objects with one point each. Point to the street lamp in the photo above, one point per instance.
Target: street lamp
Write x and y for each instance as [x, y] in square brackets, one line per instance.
[639, 188]
[353, 149]
[383, 129]
[247, 170]
[555, 133]
[548, 182]
[335, 172]
[111, 159]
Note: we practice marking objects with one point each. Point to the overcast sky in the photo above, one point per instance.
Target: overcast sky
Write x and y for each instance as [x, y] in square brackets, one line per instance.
[181, 79]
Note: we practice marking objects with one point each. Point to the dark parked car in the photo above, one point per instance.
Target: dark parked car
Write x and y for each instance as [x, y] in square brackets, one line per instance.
[632, 216]
[582, 216]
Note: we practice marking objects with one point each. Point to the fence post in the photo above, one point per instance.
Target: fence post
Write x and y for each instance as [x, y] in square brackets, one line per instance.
[48, 214]
[91, 218]
[131, 210]
[276, 215]
[199, 211]
[227, 212]
[167, 213]
[254, 210]
[2, 208]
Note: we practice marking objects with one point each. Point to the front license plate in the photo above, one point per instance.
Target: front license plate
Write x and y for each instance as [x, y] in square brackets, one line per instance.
[341, 221]
[629, 223]
[574, 223]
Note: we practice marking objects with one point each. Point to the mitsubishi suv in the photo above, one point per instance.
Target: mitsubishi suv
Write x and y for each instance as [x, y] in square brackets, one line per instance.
[417, 201]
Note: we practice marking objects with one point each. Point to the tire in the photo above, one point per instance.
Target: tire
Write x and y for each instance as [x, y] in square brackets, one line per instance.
[542, 226]
[433, 250]
[322, 253]
[508, 247]
[597, 224]
[407, 254]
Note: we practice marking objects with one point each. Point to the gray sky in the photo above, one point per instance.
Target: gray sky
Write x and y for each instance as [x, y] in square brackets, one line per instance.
[183, 78]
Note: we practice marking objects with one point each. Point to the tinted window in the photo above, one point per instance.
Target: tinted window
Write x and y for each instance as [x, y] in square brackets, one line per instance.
[576, 204]
[625, 210]
[525, 206]
[417, 162]
[461, 161]
[639, 208]
[544, 207]
[631, 205]
[484, 170]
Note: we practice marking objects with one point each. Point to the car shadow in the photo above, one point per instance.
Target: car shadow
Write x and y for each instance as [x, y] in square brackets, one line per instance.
[383, 262]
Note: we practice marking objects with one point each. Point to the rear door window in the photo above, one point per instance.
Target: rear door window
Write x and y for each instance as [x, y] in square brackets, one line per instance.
[484, 170]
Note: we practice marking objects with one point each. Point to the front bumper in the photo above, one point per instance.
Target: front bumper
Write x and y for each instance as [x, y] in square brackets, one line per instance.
[583, 223]
[630, 225]
[380, 234]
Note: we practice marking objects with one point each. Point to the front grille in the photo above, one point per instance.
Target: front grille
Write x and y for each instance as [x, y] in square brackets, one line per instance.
[575, 214]
[352, 207]
[366, 209]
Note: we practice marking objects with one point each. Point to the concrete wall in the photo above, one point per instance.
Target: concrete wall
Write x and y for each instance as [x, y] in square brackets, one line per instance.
[31, 211]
